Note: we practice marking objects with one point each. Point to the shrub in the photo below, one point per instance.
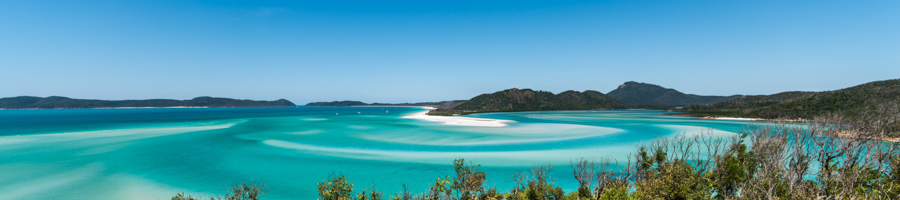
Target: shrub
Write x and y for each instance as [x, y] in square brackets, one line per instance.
[336, 187]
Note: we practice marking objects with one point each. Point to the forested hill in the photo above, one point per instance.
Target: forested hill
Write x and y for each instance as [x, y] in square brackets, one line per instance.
[29, 102]
[747, 102]
[853, 102]
[644, 94]
[530, 100]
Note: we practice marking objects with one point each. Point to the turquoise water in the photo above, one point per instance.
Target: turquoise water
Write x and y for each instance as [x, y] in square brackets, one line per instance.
[155, 153]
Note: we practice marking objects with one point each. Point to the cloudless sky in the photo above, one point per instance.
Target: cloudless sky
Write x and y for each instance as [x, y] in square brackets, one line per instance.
[410, 51]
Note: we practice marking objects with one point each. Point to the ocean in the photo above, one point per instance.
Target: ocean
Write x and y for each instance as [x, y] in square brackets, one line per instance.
[154, 153]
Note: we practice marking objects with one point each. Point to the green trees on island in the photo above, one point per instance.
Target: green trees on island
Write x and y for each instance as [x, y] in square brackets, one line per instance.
[29, 102]
[858, 104]
[533, 100]
[645, 94]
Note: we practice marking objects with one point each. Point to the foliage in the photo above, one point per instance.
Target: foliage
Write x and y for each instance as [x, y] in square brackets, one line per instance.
[746, 102]
[618, 193]
[441, 189]
[336, 187]
[373, 194]
[870, 104]
[469, 180]
[643, 94]
[530, 100]
[182, 196]
[245, 191]
[64, 102]
[540, 186]
[242, 191]
[732, 169]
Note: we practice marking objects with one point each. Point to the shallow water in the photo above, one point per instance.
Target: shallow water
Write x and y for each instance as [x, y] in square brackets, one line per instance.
[155, 153]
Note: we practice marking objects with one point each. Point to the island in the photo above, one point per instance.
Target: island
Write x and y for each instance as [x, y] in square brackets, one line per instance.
[57, 102]
[876, 104]
[533, 100]
[645, 94]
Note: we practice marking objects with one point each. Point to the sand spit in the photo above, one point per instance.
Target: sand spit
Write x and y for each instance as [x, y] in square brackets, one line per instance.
[733, 118]
[458, 120]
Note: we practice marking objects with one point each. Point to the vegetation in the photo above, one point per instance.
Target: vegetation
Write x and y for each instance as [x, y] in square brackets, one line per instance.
[531, 100]
[27, 102]
[241, 191]
[747, 102]
[644, 94]
[859, 104]
[852, 103]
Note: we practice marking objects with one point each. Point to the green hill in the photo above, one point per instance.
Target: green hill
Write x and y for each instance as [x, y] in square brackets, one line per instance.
[29, 102]
[875, 104]
[851, 102]
[644, 94]
[747, 102]
[531, 100]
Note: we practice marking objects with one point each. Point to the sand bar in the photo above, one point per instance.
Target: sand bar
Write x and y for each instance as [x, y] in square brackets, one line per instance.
[458, 120]
[732, 118]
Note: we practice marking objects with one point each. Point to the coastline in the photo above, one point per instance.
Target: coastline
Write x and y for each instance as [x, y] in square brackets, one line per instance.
[842, 134]
[846, 134]
[427, 107]
[733, 118]
[456, 120]
[147, 107]
[508, 111]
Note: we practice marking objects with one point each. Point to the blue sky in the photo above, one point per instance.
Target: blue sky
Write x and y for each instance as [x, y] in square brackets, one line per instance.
[409, 51]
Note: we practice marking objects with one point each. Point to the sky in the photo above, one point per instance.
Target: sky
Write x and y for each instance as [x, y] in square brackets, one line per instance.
[414, 51]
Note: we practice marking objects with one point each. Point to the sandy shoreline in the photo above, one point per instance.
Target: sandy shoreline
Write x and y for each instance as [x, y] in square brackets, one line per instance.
[458, 120]
[733, 118]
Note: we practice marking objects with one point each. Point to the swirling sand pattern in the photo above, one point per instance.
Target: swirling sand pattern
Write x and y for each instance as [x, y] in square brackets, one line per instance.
[154, 153]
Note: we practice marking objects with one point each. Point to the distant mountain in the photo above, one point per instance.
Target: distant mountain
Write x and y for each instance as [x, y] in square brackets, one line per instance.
[644, 94]
[530, 100]
[853, 103]
[24, 102]
[440, 104]
[337, 103]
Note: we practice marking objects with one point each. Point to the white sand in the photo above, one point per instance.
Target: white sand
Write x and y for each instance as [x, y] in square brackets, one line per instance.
[457, 120]
[736, 118]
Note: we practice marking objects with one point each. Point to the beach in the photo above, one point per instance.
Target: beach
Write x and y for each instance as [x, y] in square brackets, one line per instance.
[457, 120]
